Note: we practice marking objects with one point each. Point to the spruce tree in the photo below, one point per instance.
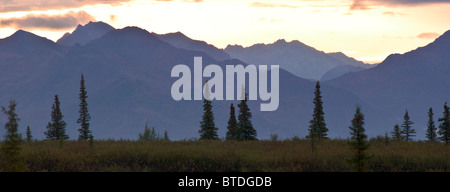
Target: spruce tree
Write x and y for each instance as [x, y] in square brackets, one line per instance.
[408, 131]
[208, 129]
[28, 133]
[358, 141]
[317, 128]
[85, 117]
[11, 146]
[397, 133]
[232, 125]
[431, 128]
[56, 129]
[386, 139]
[166, 136]
[146, 135]
[244, 125]
[149, 134]
[444, 127]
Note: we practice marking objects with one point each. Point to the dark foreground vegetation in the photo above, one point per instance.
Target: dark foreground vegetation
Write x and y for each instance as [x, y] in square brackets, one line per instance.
[289, 155]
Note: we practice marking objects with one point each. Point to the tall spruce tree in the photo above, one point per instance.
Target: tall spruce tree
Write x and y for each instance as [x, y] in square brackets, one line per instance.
[444, 127]
[358, 141]
[166, 136]
[56, 129]
[317, 128]
[28, 134]
[85, 117]
[232, 125]
[431, 128]
[208, 129]
[408, 131]
[244, 126]
[397, 133]
[13, 160]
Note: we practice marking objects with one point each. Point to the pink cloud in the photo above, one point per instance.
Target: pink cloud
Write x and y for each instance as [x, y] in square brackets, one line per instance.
[428, 36]
[259, 4]
[41, 5]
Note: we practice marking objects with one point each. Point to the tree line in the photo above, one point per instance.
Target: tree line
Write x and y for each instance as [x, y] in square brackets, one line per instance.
[11, 145]
[238, 129]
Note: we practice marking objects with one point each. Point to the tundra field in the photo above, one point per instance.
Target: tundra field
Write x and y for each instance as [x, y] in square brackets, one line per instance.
[293, 155]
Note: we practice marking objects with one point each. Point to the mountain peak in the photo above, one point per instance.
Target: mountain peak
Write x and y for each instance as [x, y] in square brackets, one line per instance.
[22, 33]
[178, 34]
[133, 29]
[23, 36]
[182, 41]
[129, 34]
[25, 42]
[84, 34]
[280, 41]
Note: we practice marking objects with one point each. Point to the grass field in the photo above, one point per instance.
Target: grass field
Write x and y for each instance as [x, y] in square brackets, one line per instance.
[211, 156]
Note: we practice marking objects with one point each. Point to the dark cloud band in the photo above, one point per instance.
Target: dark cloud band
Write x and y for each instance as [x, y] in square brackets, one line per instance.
[49, 22]
[41, 5]
[367, 4]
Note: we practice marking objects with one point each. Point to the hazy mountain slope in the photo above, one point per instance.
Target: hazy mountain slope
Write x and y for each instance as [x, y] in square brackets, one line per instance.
[299, 59]
[416, 80]
[180, 40]
[339, 71]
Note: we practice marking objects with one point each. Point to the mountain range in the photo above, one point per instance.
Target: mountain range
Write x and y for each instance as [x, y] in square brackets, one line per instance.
[297, 58]
[127, 73]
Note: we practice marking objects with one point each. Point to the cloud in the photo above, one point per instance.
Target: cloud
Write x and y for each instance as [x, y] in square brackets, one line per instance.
[368, 4]
[390, 13]
[259, 4]
[193, 1]
[112, 18]
[428, 36]
[48, 22]
[187, 1]
[41, 5]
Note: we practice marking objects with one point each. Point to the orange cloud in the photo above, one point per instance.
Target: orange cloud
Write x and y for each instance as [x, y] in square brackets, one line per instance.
[428, 36]
[259, 4]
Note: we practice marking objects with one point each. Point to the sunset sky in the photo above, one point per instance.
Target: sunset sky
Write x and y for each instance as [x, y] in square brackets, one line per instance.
[368, 30]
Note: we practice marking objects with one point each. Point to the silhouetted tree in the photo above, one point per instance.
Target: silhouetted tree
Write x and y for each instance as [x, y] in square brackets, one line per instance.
[408, 131]
[386, 139]
[232, 125]
[317, 128]
[85, 117]
[273, 137]
[358, 141]
[56, 129]
[148, 135]
[444, 127]
[166, 136]
[208, 129]
[11, 146]
[397, 133]
[28, 133]
[244, 125]
[431, 128]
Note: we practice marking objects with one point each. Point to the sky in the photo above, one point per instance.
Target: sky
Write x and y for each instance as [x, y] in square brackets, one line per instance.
[368, 30]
